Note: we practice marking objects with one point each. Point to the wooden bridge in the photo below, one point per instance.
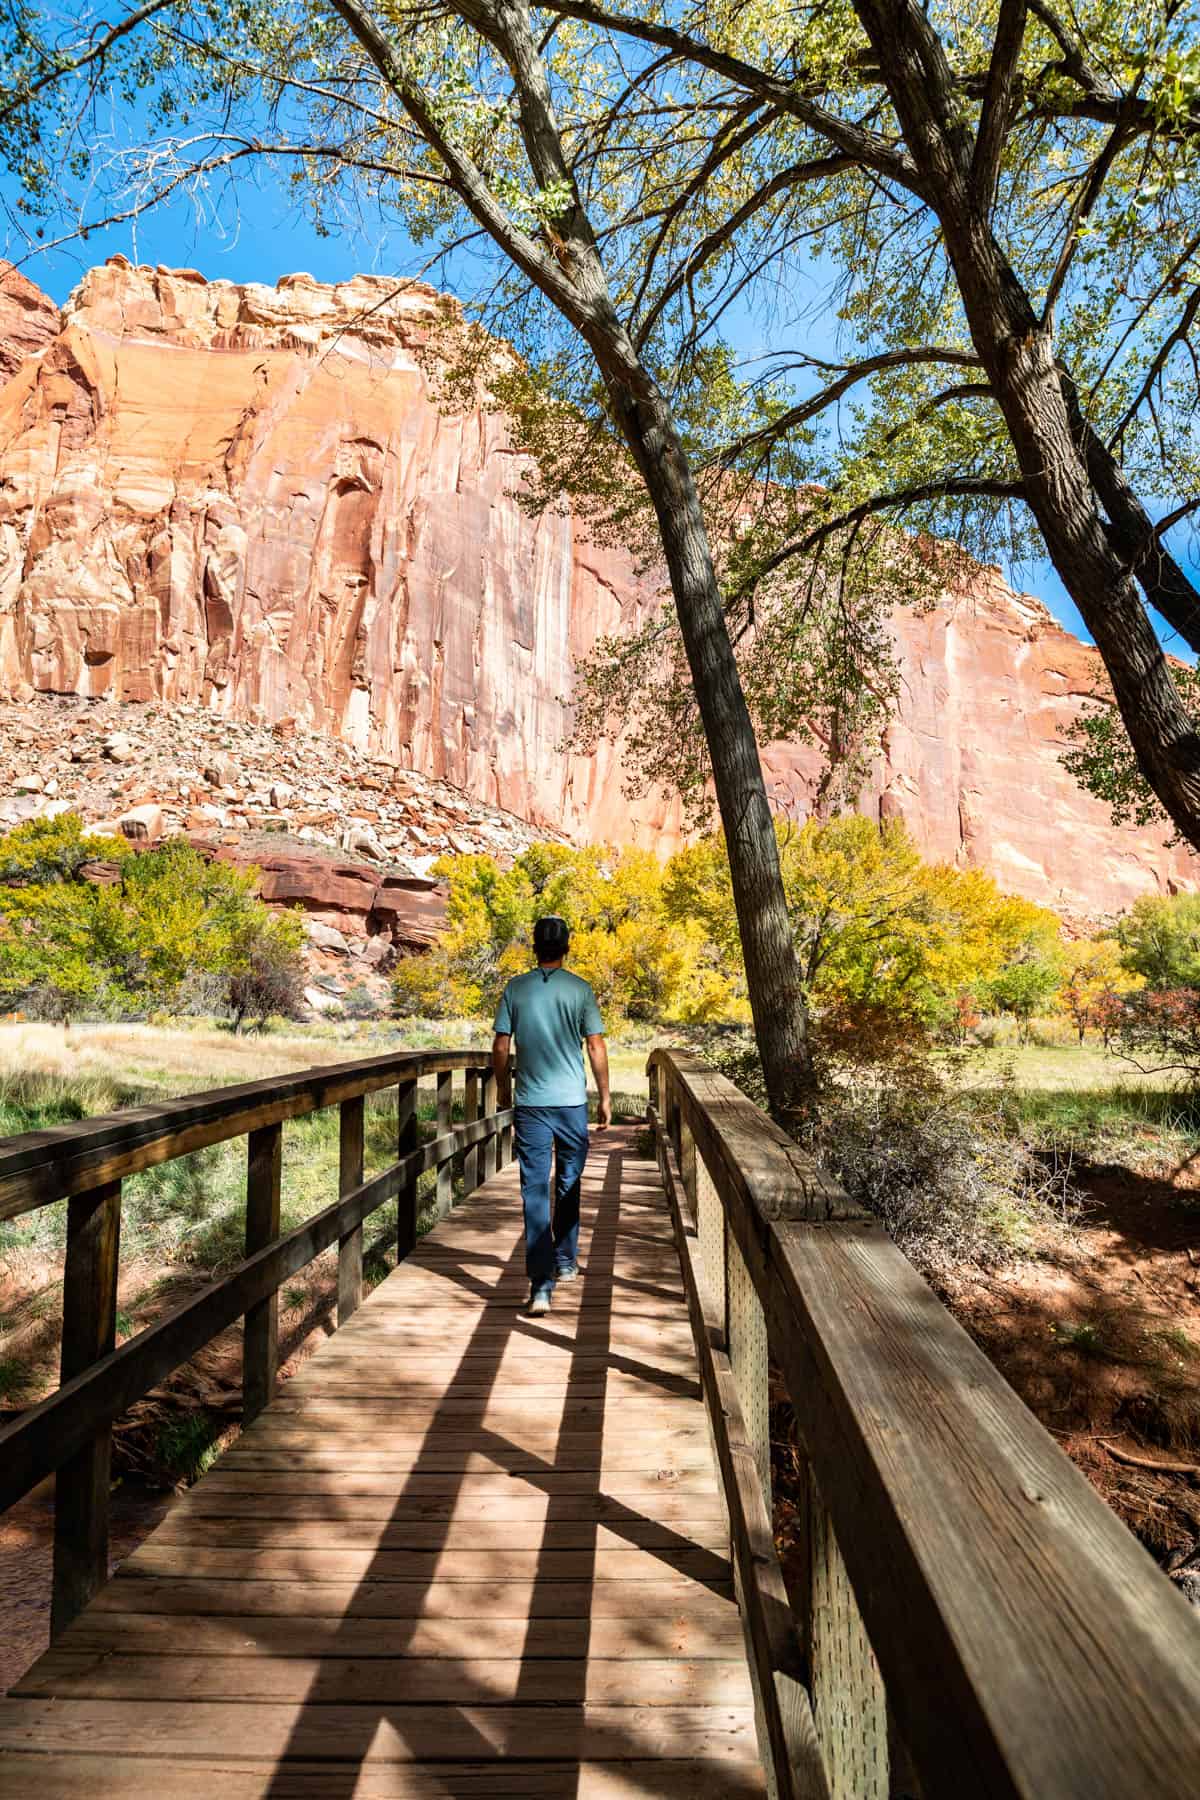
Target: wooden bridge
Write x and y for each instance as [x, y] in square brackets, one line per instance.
[465, 1553]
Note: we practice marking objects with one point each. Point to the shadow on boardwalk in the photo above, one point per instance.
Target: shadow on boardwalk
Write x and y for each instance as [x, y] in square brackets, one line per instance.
[465, 1553]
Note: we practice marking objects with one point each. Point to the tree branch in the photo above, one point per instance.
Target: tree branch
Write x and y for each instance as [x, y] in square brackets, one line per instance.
[868, 149]
[1084, 202]
[850, 376]
[997, 101]
[947, 487]
[465, 178]
[710, 246]
[1158, 364]
[95, 52]
[1130, 528]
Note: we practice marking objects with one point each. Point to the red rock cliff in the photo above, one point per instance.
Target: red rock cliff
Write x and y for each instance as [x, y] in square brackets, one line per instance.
[244, 497]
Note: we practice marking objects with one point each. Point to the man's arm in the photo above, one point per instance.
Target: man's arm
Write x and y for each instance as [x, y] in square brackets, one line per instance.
[597, 1050]
[502, 1067]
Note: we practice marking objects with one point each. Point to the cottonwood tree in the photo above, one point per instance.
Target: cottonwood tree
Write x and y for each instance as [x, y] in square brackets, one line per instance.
[1007, 191]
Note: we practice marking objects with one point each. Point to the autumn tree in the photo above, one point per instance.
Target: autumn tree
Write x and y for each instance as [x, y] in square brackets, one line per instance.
[1095, 981]
[1008, 194]
[1160, 940]
[643, 963]
[875, 925]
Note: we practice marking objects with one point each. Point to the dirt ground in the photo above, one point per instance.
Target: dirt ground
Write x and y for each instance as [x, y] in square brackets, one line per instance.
[1101, 1338]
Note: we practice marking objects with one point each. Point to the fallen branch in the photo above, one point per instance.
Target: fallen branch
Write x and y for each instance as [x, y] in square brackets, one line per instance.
[1147, 1462]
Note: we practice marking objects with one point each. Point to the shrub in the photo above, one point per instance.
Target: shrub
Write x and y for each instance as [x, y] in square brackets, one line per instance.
[266, 980]
[149, 940]
[359, 1002]
[943, 1170]
[1159, 1031]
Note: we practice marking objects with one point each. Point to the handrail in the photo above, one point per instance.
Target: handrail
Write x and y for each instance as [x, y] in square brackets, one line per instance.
[40, 1167]
[976, 1620]
[71, 1432]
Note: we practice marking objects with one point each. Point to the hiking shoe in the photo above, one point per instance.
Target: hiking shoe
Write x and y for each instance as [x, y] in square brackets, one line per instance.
[539, 1305]
[571, 1274]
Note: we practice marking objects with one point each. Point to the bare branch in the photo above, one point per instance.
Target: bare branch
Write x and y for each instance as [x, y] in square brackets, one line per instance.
[851, 374]
[869, 149]
[1085, 200]
[710, 246]
[946, 487]
[1159, 362]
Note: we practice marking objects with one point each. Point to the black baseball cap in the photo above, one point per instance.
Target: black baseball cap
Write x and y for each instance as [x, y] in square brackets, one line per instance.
[551, 936]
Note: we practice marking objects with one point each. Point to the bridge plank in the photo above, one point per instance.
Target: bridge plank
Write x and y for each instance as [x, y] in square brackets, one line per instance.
[300, 1531]
[645, 1636]
[124, 1777]
[459, 1538]
[389, 1680]
[385, 1733]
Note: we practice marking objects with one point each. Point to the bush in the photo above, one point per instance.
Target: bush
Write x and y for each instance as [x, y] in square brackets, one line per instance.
[944, 1171]
[157, 937]
[359, 1002]
[267, 981]
[1159, 1031]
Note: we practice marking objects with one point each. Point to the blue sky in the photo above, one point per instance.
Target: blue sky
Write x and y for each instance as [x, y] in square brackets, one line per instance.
[267, 238]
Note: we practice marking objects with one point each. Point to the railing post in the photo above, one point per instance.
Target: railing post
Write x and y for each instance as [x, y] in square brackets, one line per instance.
[470, 1114]
[406, 1142]
[490, 1144]
[260, 1334]
[445, 1120]
[89, 1332]
[350, 1174]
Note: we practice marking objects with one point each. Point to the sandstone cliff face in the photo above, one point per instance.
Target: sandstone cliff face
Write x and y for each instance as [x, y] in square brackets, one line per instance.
[972, 760]
[28, 319]
[243, 498]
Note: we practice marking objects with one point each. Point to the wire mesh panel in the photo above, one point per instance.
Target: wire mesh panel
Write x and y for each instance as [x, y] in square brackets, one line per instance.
[710, 1231]
[747, 1333]
[848, 1698]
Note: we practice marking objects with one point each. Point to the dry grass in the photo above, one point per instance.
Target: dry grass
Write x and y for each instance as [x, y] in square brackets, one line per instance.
[172, 1058]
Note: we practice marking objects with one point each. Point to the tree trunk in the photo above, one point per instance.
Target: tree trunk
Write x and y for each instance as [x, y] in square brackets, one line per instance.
[777, 998]
[1017, 353]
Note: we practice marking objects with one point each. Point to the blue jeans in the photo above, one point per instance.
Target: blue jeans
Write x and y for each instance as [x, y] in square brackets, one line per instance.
[551, 1235]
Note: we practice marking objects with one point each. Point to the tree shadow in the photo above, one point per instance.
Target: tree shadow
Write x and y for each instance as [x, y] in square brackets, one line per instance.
[566, 1599]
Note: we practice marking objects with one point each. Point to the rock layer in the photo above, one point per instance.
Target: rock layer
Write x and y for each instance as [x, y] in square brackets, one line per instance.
[244, 499]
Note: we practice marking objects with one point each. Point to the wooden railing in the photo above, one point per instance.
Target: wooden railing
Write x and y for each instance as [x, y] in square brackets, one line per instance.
[71, 1432]
[972, 1619]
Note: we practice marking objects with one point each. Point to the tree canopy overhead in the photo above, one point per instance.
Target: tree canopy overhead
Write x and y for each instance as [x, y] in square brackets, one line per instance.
[1007, 193]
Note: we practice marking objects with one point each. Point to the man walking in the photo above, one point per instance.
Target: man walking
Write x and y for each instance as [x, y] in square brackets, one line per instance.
[550, 1013]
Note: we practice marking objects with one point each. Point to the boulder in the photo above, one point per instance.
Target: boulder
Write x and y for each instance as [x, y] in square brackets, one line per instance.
[222, 772]
[326, 937]
[142, 824]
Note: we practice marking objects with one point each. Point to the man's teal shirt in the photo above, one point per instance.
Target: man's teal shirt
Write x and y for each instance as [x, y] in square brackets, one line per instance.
[549, 1012]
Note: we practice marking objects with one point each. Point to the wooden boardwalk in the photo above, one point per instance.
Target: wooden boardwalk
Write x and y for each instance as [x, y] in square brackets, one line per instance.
[463, 1553]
